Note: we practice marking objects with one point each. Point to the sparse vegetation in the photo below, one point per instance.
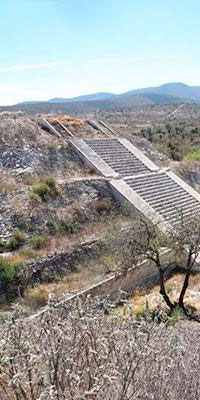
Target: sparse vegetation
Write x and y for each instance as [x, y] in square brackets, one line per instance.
[34, 197]
[67, 227]
[45, 189]
[10, 276]
[148, 242]
[7, 186]
[52, 226]
[193, 156]
[116, 355]
[13, 243]
[104, 206]
[36, 298]
[38, 242]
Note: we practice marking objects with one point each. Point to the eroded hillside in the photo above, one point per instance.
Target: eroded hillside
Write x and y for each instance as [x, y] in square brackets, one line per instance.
[58, 218]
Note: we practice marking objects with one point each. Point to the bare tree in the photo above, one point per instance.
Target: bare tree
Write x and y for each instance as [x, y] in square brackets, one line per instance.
[185, 242]
[148, 242]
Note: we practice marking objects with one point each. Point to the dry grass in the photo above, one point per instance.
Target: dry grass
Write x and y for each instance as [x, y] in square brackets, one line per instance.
[36, 297]
[8, 186]
[173, 286]
[53, 144]
[25, 254]
[65, 120]
[86, 276]
[104, 227]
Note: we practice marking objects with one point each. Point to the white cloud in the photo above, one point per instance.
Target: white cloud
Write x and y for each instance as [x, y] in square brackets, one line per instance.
[135, 59]
[24, 67]
[10, 94]
[95, 61]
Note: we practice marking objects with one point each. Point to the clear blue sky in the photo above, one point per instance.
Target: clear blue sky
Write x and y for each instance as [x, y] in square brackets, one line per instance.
[64, 48]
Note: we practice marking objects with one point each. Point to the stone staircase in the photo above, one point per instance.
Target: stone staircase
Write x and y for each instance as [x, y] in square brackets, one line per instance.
[117, 156]
[160, 195]
[166, 196]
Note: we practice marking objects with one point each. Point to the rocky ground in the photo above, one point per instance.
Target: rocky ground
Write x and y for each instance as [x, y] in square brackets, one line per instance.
[152, 298]
[49, 202]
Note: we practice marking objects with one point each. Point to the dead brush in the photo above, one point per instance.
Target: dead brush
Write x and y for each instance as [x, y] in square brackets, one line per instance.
[7, 186]
[66, 120]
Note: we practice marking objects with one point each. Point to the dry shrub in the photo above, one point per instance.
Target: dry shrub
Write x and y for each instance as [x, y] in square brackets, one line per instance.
[36, 298]
[8, 186]
[104, 206]
[16, 240]
[52, 145]
[65, 120]
[81, 350]
[44, 189]
[27, 253]
[38, 242]
[15, 259]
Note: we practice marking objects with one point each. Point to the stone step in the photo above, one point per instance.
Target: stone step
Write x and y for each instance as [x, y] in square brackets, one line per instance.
[106, 145]
[187, 218]
[150, 183]
[162, 198]
[122, 161]
[149, 179]
[130, 166]
[117, 156]
[159, 195]
[174, 211]
[165, 200]
[164, 193]
[115, 153]
[120, 158]
[176, 205]
[185, 215]
[128, 172]
[144, 189]
[97, 141]
[166, 196]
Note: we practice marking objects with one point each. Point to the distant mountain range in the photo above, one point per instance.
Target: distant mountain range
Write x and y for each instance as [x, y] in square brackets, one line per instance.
[89, 97]
[165, 94]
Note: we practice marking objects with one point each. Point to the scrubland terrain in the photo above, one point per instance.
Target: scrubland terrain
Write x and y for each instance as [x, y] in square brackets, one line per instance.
[50, 203]
[60, 233]
[85, 350]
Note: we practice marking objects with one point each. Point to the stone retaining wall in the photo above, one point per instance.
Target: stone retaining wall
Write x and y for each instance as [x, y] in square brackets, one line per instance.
[45, 269]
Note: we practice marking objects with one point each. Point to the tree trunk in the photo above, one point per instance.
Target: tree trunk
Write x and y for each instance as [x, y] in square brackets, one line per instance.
[186, 281]
[163, 291]
[184, 288]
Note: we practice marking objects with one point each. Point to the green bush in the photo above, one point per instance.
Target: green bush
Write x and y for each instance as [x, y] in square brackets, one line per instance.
[42, 190]
[9, 271]
[50, 182]
[34, 197]
[22, 224]
[176, 315]
[169, 289]
[52, 226]
[16, 240]
[67, 227]
[140, 313]
[2, 246]
[193, 156]
[38, 242]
